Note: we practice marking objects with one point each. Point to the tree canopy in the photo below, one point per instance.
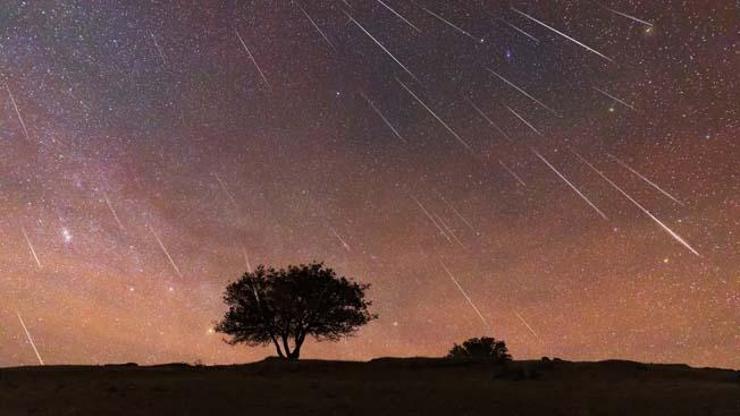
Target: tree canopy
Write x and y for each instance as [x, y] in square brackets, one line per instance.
[284, 306]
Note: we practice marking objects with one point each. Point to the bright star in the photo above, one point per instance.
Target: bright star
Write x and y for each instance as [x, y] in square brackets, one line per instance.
[66, 235]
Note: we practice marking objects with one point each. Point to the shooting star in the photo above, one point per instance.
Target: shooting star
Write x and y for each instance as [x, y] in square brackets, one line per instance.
[639, 175]
[339, 237]
[18, 113]
[449, 129]
[30, 246]
[385, 120]
[452, 25]
[488, 119]
[573, 187]
[520, 31]
[449, 231]
[525, 93]
[614, 98]
[113, 211]
[229, 195]
[159, 49]
[458, 214]
[399, 16]
[526, 324]
[315, 26]
[431, 218]
[166, 253]
[246, 259]
[30, 338]
[254, 61]
[377, 42]
[638, 205]
[470, 301]
[512, 173]
[523, 120]
[633, 18]
[583, 45]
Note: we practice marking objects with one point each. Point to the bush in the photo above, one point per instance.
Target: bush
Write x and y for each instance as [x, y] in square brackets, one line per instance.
[481, 348]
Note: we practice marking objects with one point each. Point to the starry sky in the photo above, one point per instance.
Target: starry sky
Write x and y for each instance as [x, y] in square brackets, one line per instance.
[562, 175]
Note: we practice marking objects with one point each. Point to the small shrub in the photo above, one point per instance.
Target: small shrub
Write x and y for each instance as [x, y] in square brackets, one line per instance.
[481, 348]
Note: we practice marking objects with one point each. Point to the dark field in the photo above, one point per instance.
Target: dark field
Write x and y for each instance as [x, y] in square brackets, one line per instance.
[417, 386]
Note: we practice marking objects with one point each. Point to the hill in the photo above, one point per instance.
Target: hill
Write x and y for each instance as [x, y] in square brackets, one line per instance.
[413, 386]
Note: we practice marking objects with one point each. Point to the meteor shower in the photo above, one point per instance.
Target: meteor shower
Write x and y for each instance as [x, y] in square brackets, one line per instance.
[369, 207]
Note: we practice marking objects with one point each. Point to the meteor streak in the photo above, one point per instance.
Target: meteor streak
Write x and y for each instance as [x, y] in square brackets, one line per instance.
[523, 120]
[341, 240]
[113, 211]
[573, 187]
[18, 112]
[399, 16]
[470, 301]
[385, 120]
[520, 31]
[315, 26]
[614, 98]
[449, 231]
[512, 173]
[254, 61]
[431, 218]
[639, 175]
[159, 49]
[222, 184]
[458, 214]
[166, 253]
[633, 18]
[246, 259]
[377, 42]
[583, 45]
[488, 119]
[30, 246]
[526, 324]
[449, 129]
[526, 94]
[452, 25]
[637, 204]
[30, 338]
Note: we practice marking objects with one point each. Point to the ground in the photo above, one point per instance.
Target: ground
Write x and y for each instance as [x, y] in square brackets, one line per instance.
[408, 386]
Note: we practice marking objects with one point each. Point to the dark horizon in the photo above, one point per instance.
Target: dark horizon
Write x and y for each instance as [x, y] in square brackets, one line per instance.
[330, 360]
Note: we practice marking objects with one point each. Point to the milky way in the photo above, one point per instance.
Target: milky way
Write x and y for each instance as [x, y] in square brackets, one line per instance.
[560, 175]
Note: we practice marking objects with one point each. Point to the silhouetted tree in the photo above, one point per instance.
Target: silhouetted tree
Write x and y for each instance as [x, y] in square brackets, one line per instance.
[277, 306]
[484, 347]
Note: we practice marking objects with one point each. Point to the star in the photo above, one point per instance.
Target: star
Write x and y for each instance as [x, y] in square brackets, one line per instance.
[66, 235]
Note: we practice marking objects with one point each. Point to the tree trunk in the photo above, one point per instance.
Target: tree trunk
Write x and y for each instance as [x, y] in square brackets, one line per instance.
[286, 347]
[295, 354]
[277, 347]
[297, 349]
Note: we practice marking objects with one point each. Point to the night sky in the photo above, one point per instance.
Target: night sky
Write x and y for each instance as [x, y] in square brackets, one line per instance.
[562, 175]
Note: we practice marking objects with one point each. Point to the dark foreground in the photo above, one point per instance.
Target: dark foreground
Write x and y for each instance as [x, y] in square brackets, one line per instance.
[417, 386]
